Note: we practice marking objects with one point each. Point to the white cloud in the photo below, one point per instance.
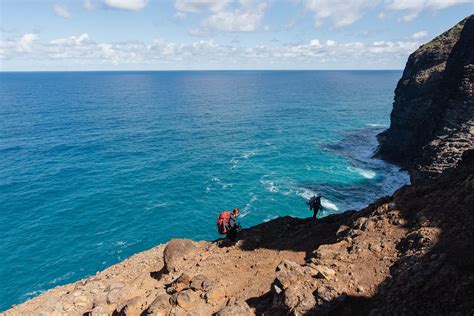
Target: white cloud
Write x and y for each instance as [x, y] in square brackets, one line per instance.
[62, 11]
[133, 5]
[340, 12]
[245, 19]
[225, 15]
[72, 40]
[412, 8]
[81, 50]
[418, 35]
[196, 6]
[24, 44]
[89, 5]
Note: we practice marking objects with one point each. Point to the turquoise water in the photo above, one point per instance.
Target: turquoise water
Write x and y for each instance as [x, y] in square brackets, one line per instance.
[95, 167]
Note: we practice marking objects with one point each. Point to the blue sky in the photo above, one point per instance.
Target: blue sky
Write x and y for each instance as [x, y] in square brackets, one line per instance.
[219, 34]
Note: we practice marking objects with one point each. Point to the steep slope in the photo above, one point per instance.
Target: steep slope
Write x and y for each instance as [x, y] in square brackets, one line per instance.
[432, 117]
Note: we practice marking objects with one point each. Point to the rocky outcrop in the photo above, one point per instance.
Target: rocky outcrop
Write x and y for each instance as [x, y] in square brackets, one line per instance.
[432, 121]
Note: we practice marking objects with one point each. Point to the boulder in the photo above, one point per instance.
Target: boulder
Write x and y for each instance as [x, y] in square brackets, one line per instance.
[288, 273]
[100, 310]
[113, 296]
[323, 272]
[214, 295]
[200, 282]
[133, 306]
[327, 293]
[180, 283]
[187, 299]
[237, 308]
[177, 253]
[160, 306]
[299, 299]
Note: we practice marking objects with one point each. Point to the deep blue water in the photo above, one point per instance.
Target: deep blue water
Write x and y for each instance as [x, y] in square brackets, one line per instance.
[97, 166]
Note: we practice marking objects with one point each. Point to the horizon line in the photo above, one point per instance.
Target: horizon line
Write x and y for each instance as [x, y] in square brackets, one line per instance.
[192, 70]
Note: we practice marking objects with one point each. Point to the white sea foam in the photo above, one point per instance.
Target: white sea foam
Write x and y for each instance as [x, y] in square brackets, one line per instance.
[376, 125]
[249, 154]
[269, 218]
[328, 204]
[269, 185]
[246, 210]
[307, 194]
[368, 174]
[219, 182]
[61, 278]
[33, 293]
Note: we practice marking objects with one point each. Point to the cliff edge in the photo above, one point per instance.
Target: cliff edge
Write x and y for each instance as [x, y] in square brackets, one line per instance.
[432, 118]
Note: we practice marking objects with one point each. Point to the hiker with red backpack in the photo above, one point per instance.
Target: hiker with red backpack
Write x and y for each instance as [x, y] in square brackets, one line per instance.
[227, 224]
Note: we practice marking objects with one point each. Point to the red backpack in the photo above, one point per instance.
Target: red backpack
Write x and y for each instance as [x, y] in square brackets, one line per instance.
[222, 220]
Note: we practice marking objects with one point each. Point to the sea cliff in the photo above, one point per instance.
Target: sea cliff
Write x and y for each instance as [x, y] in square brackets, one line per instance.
[432, 118]
[409, 253]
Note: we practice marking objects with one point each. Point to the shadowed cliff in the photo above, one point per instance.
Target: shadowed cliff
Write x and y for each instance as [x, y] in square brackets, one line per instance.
[432, 117]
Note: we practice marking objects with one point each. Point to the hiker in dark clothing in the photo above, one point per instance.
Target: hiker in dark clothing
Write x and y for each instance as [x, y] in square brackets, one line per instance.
[314, 204]
[232, 226]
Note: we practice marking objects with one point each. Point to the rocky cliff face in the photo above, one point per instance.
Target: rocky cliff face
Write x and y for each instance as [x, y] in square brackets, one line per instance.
[432, 122]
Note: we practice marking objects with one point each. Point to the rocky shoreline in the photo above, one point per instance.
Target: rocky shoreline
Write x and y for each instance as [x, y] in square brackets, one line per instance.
[409, 253]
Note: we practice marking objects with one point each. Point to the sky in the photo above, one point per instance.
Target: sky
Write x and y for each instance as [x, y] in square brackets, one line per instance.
[43, 35]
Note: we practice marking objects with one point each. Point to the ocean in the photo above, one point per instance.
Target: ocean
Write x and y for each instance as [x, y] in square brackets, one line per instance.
[97, 166]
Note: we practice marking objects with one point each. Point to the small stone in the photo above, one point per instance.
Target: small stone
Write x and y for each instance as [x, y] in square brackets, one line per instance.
[187, 299]
[375, 248]
[99, 311]
[162, 301]
[199, 282]
[324, 272]
[113, 296]
[239, 308]
[214, 295]
[68, 306]
[114, 285]
[277, 289]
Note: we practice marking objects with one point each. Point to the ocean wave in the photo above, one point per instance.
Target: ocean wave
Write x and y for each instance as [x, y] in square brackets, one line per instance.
[61, 278]
[270, 186]
[269, 218]
[246, 210]
[326, 203]
[249, 154]
[219, 182]
[376, 125]
[33, 293]
[368, 174]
